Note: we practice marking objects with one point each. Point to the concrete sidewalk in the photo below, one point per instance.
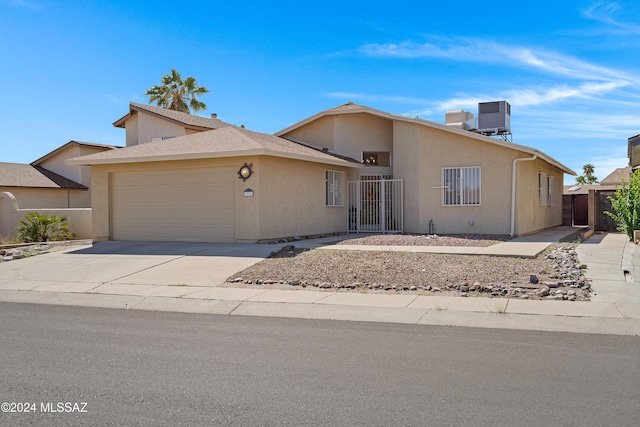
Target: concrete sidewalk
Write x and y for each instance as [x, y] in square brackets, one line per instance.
[611, 259]
[170, 281]
[525, 247]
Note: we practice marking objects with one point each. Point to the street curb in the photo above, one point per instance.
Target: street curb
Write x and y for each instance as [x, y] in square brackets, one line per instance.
[319, 311]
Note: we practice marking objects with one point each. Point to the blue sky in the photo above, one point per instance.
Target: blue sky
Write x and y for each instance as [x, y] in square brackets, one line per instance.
[569, 69]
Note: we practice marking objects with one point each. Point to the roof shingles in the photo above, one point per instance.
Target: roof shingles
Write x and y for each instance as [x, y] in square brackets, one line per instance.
[177, 116]
[224, 142]
[21, 175]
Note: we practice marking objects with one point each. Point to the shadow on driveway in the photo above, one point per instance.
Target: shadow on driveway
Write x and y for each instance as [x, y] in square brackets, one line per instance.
[177, 249]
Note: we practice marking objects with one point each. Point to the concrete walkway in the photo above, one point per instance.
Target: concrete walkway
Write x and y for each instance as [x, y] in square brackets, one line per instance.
[615, 308]
[525, 247]
[611, 259]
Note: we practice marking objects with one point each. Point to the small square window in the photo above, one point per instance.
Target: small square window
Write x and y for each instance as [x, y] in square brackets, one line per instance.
[376, 158]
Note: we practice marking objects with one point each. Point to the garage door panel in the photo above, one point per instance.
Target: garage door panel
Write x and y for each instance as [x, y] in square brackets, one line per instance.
[187, 205]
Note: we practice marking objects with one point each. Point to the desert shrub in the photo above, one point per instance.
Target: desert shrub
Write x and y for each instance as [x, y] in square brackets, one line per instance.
[626, 206]
[38, 227]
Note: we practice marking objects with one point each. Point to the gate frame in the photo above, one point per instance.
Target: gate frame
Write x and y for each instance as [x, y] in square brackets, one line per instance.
[393, 206]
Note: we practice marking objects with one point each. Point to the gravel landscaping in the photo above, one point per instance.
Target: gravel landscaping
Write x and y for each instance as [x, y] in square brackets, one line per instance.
[23, 250]
[426, 240]
[554, 274]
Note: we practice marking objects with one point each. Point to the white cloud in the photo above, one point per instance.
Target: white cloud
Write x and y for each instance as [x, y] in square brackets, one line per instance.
[604, 12]
[475, 50]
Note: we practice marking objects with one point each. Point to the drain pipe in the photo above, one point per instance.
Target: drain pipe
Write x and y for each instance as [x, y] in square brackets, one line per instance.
[513, 190]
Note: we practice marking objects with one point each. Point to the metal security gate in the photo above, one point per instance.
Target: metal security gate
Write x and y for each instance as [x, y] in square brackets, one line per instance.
[375, 205]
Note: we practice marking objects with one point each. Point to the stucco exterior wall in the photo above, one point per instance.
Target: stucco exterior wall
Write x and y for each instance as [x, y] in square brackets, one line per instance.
[8, 216]
[80, 174]
[350, 135]
[421, 153]
[319, 133]
[532, 216]
[142, 127]
[79, 219]
[355, 133]
[131, 130]
[288, 200]
[29, 198]
[11, 214]
[293, 199]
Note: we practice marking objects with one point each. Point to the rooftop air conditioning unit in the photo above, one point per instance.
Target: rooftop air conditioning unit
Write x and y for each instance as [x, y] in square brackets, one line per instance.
[494, 118]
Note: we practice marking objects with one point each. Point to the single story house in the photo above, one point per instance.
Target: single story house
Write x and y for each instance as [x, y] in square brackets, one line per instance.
[346, 169]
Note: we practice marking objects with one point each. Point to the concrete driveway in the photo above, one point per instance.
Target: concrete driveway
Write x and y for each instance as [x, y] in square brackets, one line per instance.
[85, 268]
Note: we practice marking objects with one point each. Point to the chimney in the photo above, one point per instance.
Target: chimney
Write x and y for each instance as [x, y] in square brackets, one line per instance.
[214, 115]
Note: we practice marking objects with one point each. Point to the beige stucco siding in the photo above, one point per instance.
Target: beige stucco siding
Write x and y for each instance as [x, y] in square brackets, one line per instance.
[421, 153]
[350, 135]
[531, 215]
[29, 198]
[288, 197]
[293, 198]
[131, 133]
[80, 174]
[355, 133]
[142, 127]
[319, 133]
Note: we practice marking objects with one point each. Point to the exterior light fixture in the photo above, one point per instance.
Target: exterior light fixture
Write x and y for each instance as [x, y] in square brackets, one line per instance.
[245, 172]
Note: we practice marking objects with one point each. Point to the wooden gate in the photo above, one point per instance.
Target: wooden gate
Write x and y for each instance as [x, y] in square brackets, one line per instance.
[581, 209]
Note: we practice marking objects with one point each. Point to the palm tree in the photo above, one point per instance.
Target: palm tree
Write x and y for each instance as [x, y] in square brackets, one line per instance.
[587, 175]
[177, 94]
[588, 169]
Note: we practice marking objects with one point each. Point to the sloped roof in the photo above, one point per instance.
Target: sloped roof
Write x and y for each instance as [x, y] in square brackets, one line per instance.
[611, 182]
[352, 108]
[188, 120]
[584, 188]
[69, 144]
[21, 175]
[617, 176]
[229, 141]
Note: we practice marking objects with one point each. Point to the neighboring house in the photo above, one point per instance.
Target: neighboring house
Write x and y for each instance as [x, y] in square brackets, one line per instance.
[586, 204]
[350, 168]
[49, 182]
[49, 185]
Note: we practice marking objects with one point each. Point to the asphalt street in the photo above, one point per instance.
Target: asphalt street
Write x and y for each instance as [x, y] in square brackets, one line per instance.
[115, 367]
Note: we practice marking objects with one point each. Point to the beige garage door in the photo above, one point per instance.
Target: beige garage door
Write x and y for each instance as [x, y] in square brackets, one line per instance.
[174, 205]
